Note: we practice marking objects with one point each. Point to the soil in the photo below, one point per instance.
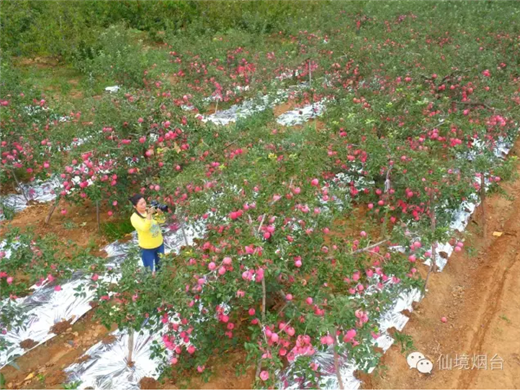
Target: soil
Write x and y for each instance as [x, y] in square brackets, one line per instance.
[28, 344]
[79, 224]
[109, 339]
[173, 79]
[223, 375]
[278, 110]
[61, 327]
[479, 293]
[7, 188]
[84, 358]
[148, 383]
[58, 377]
[40, 62]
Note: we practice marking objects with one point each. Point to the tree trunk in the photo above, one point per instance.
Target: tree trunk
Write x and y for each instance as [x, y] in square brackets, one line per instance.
[483, 203]
[184, 232]
[97, 213]
[336, 363]
[51, 211]
[20, 186]
[433, 266]
[263, 299]
[388, 185]
[130, 347]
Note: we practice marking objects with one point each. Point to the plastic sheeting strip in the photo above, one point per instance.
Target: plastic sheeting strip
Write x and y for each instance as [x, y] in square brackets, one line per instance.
[38, 191]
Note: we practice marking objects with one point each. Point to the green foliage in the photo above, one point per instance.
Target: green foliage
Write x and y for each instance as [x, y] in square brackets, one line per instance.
[72, 385]
[415, 108]
[117, 57]
[69, 225]
[7, 211]
[28, 259]
[113, 231]
[405, 341]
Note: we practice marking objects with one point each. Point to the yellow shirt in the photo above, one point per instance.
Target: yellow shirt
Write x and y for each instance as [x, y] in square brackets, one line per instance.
[148, 231]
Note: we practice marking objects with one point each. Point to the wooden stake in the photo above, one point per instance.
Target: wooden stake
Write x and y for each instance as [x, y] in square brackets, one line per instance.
[261, 223]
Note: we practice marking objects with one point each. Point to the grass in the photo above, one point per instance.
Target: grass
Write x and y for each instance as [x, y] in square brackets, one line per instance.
[503, 317]
[69, 225]
[116, 230]
[59, 81]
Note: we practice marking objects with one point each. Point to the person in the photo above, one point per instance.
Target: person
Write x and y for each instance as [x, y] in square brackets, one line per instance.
[148, 232]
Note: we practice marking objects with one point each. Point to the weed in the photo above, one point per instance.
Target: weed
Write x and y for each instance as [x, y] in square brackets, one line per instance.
[116, 230]
[69, 225]
[72, 385]
[503, 317]
[405, 341]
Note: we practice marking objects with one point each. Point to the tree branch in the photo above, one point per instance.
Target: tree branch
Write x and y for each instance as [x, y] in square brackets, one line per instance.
[369, 247]
[476, 104]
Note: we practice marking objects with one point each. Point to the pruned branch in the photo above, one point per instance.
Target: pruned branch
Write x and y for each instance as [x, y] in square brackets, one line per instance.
[368, 247]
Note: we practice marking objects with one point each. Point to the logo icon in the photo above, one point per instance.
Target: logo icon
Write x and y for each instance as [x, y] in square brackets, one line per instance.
[417, 360]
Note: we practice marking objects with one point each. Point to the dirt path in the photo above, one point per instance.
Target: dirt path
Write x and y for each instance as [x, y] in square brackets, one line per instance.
[79, 224]
[479, 294]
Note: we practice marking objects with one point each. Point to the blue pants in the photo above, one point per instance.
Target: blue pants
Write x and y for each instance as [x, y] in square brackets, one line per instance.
[149, 256]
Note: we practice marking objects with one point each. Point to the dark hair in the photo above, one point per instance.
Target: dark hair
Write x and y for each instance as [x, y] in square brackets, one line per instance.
[135, 199]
